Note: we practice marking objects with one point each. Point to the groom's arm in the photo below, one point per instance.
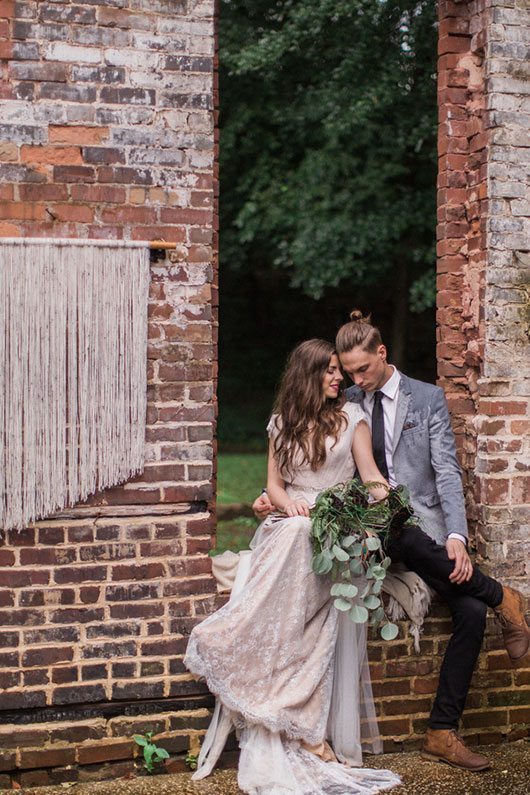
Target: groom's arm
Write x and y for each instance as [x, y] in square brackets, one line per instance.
[447, 471]
[448, 478]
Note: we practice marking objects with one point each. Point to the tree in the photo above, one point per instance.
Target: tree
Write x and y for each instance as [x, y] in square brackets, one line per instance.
[328, 144]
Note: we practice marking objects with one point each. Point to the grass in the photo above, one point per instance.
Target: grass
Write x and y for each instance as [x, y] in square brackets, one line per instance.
[240, 477]
[234, 534]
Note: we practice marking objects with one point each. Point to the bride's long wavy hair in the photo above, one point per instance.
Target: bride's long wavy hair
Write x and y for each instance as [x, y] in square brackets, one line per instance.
[307, 417]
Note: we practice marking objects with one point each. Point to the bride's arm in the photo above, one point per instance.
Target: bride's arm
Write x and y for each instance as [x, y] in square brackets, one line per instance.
[276, 490]
[364, 460]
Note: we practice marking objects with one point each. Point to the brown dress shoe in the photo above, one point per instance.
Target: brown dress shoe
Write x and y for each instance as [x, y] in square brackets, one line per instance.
[445, 745]
[515, 630]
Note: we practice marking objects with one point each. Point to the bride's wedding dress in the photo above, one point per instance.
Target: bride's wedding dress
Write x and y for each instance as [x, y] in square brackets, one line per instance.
[284, 665]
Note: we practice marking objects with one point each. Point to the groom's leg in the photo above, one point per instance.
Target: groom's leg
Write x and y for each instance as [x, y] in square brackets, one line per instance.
[468, 610]
[430, 560]
[463, 649]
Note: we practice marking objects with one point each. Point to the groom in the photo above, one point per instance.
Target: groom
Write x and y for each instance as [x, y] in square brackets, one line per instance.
[413, 444]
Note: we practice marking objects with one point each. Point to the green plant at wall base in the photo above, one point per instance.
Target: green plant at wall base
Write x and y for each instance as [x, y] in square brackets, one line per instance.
[191, 760]
[151, 752]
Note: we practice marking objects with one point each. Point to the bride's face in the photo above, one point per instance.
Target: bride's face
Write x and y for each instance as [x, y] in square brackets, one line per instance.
[332, 378]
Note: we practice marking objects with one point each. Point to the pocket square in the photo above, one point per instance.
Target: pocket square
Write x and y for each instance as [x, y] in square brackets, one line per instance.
[408, 425]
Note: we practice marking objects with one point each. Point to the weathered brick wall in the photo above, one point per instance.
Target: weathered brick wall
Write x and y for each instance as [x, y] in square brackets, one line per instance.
[483, 320]
[503, 462]
[107, 131]
[484, 233]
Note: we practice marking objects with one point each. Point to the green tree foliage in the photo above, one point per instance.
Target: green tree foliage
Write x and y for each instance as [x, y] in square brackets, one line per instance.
[328, 142]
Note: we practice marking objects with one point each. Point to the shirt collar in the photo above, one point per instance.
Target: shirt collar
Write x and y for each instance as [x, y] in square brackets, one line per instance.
[389, 389]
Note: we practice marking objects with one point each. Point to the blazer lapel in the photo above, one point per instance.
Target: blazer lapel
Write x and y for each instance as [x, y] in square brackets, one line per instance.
[403, 398]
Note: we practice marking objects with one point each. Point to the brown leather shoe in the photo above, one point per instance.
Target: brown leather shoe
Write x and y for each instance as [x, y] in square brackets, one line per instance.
[515, 630]
[445, 745]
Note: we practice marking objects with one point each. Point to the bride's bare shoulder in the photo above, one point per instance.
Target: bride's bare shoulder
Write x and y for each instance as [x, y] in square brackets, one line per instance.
[353, 412]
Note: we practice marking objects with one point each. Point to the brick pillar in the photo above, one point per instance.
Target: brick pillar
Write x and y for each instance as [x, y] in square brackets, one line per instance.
[483, 322]
[107, 131]
[461, 231]
[483, 233]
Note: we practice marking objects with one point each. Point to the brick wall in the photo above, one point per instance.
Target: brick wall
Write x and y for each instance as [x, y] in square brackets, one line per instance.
[483, 322]
[484, 233]
[107, 131]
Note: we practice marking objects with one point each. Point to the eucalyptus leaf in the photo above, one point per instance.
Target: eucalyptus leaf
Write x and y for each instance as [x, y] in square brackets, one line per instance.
[356, 567]
[356, 549]
[340, 553]
[386, 562]
[377, 586]
[348, 541]
[373, 543]
[359, 614]
[342, 604]
[344, 589]
[389, 631]
[321, 563]
[379, 572]
[371, 602]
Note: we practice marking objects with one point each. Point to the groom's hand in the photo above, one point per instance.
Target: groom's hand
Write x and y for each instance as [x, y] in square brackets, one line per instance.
[463, 570]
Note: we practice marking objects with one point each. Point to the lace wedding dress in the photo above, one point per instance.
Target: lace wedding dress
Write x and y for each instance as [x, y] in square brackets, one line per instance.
[284, 665]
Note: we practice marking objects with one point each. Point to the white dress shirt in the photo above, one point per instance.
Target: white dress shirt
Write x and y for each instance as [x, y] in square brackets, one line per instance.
[389, 403]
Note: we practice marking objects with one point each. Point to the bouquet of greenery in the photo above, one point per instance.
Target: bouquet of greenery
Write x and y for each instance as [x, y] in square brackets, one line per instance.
[348, 534]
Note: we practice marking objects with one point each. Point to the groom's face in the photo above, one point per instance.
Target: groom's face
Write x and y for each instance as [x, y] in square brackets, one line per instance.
[368, 371]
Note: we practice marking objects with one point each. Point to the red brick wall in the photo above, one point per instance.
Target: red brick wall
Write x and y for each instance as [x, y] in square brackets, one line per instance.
[107, 131]
[482, 328]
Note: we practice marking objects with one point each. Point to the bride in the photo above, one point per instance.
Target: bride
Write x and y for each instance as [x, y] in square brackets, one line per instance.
[287, 670]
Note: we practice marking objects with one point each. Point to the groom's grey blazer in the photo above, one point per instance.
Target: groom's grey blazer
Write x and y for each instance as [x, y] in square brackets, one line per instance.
[424, 456]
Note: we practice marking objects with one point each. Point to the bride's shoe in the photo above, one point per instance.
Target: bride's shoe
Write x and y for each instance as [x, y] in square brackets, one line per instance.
[322, 750]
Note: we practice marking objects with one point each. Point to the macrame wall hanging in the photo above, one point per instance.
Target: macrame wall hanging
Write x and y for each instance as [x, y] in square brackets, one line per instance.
[73, 341]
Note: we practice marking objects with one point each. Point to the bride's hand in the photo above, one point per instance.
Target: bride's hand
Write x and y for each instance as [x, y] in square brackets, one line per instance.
[296, 508]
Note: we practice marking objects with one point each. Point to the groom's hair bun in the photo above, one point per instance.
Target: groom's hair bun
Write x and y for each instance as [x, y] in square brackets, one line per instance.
[357, 317]
[358, 333]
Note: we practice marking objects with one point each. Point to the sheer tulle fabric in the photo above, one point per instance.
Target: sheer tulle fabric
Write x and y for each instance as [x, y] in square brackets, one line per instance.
[285, 667]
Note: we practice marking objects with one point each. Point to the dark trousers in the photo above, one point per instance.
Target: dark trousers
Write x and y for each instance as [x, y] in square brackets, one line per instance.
[468, 604]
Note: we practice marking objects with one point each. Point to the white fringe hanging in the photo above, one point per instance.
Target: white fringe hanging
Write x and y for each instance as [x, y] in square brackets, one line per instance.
[73, 345]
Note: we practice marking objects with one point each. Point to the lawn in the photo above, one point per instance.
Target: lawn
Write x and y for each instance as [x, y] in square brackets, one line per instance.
[234, 534]
[240, 477]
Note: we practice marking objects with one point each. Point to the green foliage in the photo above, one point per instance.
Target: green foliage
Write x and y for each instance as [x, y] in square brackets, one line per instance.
[347, 534]
[241, 477]
[328, 140]
[234, 534]
[191, 760]
[151, 752]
